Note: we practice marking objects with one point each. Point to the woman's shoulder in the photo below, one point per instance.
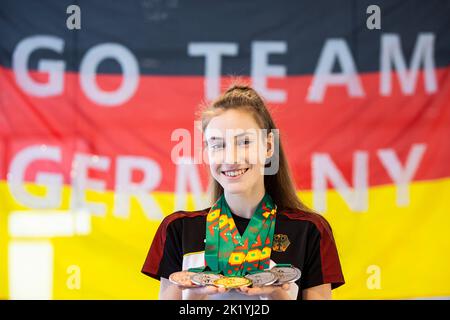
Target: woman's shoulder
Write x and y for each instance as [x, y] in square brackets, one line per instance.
[182, 214]
[317, 219]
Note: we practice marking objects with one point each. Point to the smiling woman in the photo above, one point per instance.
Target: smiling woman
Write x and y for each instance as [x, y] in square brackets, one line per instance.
[231, 155]
[257, 240]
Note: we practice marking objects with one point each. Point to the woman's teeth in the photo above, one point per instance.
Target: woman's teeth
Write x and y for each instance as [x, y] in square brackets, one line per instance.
[234, 173]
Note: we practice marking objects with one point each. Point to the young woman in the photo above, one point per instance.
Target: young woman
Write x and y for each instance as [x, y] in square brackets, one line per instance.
[256, 220]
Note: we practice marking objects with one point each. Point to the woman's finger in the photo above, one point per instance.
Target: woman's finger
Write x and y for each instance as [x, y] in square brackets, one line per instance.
[286, 286]
[202, 290]
[256, 291]
[222, 290]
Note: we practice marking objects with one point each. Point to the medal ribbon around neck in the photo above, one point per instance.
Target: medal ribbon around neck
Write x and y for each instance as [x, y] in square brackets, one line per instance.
[231, 254]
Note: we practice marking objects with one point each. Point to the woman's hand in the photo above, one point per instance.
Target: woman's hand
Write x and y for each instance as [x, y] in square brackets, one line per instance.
[271, 292]
[201, 293]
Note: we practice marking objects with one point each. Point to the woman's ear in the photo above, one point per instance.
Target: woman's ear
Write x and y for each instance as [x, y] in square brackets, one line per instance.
[270, 145]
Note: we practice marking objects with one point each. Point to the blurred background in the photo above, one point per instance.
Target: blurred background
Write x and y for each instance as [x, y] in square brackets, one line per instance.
[91, 93]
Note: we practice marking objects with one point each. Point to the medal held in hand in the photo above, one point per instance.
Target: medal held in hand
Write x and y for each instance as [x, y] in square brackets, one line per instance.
[182, 279]
[262, 279]
[233, 255]
[285, 274]
[232, 282]
[205, 279]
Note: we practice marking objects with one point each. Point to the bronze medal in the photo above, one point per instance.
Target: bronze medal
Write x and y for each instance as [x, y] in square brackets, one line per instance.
[182, 279]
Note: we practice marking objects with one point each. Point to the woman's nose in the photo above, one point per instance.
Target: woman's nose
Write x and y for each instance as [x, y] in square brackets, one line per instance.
[231, 154]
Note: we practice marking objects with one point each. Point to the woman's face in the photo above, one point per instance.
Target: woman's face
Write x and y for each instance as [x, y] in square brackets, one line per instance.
[237, 150]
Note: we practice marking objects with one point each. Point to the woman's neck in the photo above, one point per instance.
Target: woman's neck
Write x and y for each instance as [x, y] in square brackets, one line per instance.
[244, 204]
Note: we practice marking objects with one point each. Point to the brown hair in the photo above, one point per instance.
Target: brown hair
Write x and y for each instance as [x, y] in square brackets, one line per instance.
[279, 186]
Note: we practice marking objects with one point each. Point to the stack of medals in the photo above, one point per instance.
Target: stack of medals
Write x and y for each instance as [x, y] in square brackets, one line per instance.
[277, 276]
[234, 261]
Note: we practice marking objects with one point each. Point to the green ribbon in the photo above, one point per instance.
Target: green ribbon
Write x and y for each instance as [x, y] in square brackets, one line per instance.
[201, 269]
[231, 254]
[280, 265]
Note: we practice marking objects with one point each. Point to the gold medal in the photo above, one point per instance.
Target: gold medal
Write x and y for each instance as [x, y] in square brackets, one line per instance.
[232, 282]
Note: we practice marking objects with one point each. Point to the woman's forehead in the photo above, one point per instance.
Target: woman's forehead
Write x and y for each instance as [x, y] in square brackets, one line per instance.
[232, 119]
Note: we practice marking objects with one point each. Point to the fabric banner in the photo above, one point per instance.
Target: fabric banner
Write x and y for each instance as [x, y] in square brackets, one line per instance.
[96, 97]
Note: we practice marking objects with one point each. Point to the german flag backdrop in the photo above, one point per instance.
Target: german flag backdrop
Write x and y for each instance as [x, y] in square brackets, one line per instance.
[92, 94]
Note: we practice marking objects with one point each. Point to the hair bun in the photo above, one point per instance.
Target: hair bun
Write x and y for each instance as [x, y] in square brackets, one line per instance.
[239, 87]
[242, 91]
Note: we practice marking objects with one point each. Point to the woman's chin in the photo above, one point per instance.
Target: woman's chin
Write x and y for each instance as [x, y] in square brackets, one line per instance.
[234, 189]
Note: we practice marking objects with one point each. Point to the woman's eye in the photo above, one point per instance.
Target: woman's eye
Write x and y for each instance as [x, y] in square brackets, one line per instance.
[216, 146]
[244, 142]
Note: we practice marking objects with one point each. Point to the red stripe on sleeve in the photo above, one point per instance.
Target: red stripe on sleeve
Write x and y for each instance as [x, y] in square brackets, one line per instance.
[156, 252]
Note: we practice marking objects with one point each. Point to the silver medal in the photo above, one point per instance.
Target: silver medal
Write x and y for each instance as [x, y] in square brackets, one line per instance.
[286, 274]
[262, 279]
[204, 279]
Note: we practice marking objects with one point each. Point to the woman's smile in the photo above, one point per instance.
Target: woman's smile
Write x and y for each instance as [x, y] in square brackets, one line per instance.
[234, 174]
